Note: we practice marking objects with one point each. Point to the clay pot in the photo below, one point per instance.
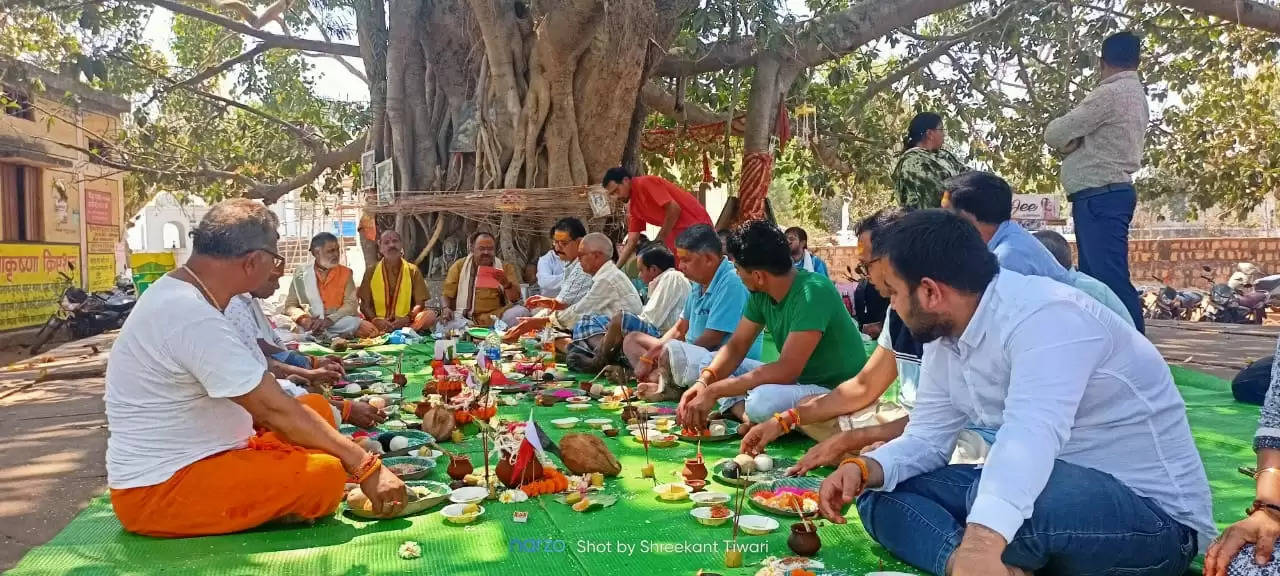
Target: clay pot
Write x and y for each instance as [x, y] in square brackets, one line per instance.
[804, 539]
[630, 413]
[694, 469]
[506, 474]
[544, 400]
[612, 432]
[459, 467]
[585, 385]
[399, 379]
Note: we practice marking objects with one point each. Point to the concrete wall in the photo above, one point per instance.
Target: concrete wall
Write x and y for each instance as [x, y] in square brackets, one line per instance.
[1178, 260]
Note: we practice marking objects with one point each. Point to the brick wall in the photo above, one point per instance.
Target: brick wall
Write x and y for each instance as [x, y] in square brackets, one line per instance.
[1179, 259]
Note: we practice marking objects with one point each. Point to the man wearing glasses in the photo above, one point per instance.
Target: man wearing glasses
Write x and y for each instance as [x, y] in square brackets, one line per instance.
[199, 427]
[611, 291]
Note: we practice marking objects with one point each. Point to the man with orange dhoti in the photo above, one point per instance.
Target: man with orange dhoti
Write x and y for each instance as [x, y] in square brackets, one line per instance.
[322, 297]
[203, 440]
[393, 287]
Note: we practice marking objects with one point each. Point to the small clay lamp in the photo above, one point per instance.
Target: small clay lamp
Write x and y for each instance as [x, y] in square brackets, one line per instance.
[694, 469]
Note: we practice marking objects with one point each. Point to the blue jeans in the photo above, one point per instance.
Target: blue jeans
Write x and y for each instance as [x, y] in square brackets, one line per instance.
[1102, 239]
[1085, 522]
[765, 400]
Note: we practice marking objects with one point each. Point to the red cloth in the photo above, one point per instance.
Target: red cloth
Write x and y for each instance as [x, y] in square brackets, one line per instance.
[649, 198]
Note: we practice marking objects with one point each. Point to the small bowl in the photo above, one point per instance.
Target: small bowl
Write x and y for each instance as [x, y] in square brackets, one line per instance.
[662, 491]
[697, 484]
[579, 399]
[565, 423]
[710, 498]
[598, 422]
[469, 495]
[703, 516]
[575, 407]
[453, 513]
[757, 525]
[612, 432]
[431, 455]
[611, 406]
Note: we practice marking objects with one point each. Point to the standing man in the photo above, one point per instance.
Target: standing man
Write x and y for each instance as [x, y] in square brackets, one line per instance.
[801, 257]
[1101, 143]
[322, 297]
[392, 287]
[653, 200]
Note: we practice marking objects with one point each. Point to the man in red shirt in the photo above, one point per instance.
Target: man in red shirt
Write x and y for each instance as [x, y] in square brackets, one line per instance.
[653, 200]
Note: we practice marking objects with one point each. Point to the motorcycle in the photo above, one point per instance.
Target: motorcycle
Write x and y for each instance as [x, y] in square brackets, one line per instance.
[1223, 304]
[85, 314]
[1161, 303]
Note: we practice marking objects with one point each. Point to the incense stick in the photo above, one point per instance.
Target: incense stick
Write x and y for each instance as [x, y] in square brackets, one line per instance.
[737, 514]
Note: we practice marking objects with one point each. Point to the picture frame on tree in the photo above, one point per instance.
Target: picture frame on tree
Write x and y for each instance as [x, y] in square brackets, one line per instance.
[368, 162]
[599, 198]
[386, 181]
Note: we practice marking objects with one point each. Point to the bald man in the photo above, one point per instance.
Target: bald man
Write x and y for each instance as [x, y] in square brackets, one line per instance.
[611, 290]
[393, 287]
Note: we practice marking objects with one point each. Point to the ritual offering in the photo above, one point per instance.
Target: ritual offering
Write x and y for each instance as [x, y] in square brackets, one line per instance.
[459, 467]
[457, 437]
[437, 420]
[610, 431]
[712, 516]
[586, 454]
[696, 485]
[410, 550]
[657, 439]
[611, 406]
[565, 423]
[338, 345]
[361, 359]
[462, 513]
[512, 497]
[728, 471]
[745, 462]
[351, 390]
[646, 471]
[786, 496]
[469, 494]
[709, 498]
[694, 469]
[598, 423]
[404, 440]
[764, 462]
[804, 539]
[715, 433]
[757, 525]
[422, 495]
[733, 558]
[673, 492]
[364, 378]
[579, 407]
[409, 467]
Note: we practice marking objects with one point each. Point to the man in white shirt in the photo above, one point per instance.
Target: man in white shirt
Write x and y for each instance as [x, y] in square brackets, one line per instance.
[611, 291]
[566, 240]
[597, 337]
[550, 271]
[1093, 468]
[184, 396]
[1101, 141]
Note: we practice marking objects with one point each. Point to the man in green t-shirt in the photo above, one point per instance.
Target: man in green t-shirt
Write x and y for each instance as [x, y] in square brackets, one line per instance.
[820, 344]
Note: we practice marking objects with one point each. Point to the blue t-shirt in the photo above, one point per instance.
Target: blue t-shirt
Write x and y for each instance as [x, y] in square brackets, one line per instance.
[719, 307]
[819, 267]
[1018, 250]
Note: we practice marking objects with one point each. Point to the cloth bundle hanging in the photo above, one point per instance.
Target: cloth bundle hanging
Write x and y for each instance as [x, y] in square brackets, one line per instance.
[753, 186]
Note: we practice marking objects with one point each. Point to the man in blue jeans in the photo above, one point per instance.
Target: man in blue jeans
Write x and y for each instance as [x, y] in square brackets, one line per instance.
[1092, 470]
[1101, 143]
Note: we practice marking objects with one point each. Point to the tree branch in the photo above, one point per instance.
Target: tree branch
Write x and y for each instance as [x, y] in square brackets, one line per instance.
[834, 35]
[729, 54]
[657, 99]
[212, 71]
[889, 80]
[827, 155]
[1245, 12]
[324, 34]
[271, 40]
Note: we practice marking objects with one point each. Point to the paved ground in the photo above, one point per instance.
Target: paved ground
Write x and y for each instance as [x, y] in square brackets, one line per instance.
[55, 430]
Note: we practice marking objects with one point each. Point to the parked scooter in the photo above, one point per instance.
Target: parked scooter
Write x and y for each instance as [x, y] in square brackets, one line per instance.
[1161, 303]
[84, 313]
[1223, 304]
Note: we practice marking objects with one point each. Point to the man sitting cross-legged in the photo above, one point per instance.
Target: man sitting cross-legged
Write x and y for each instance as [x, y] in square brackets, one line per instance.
[392, 287]
[611, 291]
[856, 416]
[820, 345]
[598, 337]
[297, 373]
[322, 297]
[184, 395]
[710, 315]
[481, 288]
[1093, 469]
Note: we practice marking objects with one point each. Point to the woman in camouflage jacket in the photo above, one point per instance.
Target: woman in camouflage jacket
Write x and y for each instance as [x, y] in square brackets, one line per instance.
[924, 164]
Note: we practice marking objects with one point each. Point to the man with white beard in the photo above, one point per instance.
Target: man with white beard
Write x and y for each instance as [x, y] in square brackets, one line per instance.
[322, 297]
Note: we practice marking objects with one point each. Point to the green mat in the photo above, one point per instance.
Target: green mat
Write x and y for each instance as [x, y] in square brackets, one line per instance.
[666, 539]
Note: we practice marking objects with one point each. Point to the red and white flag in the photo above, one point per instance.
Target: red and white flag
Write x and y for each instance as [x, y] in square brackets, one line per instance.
[530, 448]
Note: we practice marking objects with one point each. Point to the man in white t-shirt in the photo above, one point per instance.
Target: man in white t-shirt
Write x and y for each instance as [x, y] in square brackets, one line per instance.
[202, 438]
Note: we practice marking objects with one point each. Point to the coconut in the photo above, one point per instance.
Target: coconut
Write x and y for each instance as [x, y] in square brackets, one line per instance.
[746, 463]
[764, 462]
[398, 443]
[352, 388]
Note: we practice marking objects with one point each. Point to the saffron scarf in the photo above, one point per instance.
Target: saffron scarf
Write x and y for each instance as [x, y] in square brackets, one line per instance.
[402, 295]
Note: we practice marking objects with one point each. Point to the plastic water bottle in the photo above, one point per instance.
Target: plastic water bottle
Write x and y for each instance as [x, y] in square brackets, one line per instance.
[493, 347]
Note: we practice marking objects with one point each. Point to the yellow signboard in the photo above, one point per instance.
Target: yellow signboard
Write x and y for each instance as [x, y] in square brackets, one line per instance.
[102, 272]
[31, 283]
[103, 239]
